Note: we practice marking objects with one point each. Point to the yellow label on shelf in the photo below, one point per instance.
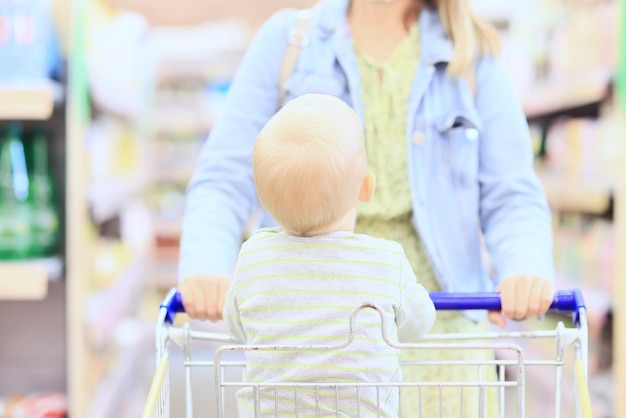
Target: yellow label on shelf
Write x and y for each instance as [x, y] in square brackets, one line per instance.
[23, 281]
[26, 101]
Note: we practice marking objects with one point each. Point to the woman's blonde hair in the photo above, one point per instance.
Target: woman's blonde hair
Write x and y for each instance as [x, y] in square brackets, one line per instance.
[472, 36]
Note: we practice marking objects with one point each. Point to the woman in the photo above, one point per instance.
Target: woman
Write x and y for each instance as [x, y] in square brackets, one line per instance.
[445, 136]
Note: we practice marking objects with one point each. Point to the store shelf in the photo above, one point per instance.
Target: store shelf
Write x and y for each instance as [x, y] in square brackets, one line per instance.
[28, 280]
[196, 121]
[106, 308]
[133, 347]
[582, 196]
[162, 272]
[47, 404]
[167, 229]
[550, 100]
[108, 198]
[187, 53]
[28, 101]
[178, 175]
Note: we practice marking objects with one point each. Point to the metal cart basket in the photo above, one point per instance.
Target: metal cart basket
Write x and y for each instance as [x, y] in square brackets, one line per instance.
[509, 386]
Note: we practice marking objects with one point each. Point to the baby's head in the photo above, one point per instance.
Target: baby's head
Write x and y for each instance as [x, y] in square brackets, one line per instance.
[310, 165]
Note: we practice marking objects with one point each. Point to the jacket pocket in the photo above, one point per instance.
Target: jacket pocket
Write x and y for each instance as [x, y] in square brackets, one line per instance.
[459, 132]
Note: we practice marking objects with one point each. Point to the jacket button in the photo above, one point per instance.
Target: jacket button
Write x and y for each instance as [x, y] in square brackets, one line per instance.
[419, 138]
[471, 134]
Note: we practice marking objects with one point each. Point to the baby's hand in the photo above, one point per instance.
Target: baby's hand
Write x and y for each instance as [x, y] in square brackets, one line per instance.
[522, 297]
[204, 296]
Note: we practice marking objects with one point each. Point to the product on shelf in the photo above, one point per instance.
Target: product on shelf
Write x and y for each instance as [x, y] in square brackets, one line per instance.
[29, 217]
[583, 253]
[15, 209]
[111, 259]
[27, 45]
[45, 222]
[40, 405]
[167, 205]
[587, 41]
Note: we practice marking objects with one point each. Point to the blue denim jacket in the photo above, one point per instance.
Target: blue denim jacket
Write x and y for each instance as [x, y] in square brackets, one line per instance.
[469, 155]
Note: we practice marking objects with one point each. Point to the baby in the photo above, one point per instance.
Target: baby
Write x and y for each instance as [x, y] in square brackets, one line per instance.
[297, 284]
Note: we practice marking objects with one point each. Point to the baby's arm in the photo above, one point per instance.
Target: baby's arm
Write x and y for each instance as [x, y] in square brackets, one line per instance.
[416, 314]
[232, 317]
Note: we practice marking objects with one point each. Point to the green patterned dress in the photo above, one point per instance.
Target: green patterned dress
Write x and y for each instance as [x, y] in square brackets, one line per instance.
[386, 88]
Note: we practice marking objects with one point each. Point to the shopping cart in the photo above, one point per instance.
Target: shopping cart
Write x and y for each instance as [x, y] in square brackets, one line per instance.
[511, 364]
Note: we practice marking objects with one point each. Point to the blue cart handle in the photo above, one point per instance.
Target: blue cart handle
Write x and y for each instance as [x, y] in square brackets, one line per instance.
[565, 301]
[172, 304]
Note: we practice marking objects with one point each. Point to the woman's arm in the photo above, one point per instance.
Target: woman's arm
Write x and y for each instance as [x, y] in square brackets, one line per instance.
[221, 195]
[513, 210]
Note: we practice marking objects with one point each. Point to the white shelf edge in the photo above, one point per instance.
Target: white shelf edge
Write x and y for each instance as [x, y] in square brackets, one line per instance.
[28, 279]
[28, 101]
[552, 96]
[576, 196]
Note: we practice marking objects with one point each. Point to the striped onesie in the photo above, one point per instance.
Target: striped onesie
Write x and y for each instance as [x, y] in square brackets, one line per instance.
[291, 290]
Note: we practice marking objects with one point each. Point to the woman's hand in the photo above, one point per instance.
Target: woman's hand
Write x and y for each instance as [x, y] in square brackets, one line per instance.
[522, 297]
[204, 296]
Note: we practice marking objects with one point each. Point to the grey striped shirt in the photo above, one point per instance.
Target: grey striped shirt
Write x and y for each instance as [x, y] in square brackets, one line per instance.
[291, 290]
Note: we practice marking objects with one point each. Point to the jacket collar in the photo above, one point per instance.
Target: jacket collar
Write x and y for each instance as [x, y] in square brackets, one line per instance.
[436, 47]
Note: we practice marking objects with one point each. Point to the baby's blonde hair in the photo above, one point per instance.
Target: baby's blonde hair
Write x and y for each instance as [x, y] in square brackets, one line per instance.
[309, 163]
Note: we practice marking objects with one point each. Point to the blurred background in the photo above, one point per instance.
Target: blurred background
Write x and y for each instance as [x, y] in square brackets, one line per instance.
[104, 106]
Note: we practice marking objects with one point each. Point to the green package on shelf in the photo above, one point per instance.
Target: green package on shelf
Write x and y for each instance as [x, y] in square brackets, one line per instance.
[29, 220]
[42, 196]
[15, 211]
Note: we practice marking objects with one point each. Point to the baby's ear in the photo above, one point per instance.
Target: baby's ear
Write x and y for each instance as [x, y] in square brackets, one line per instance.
[367, 188]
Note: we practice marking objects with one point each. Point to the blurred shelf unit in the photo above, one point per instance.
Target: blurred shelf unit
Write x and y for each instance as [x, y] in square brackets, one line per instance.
[33, 128]
[191, 52]
[107, 198]
[28, 279]
[132, 340]
[106, 308]
[568, 196]
[578, 135]
[29, 101]
[552, 100]
[143, 146]
[115, 278]
[188, 95]
[162, 272]
[574, 182]
[131, 148]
